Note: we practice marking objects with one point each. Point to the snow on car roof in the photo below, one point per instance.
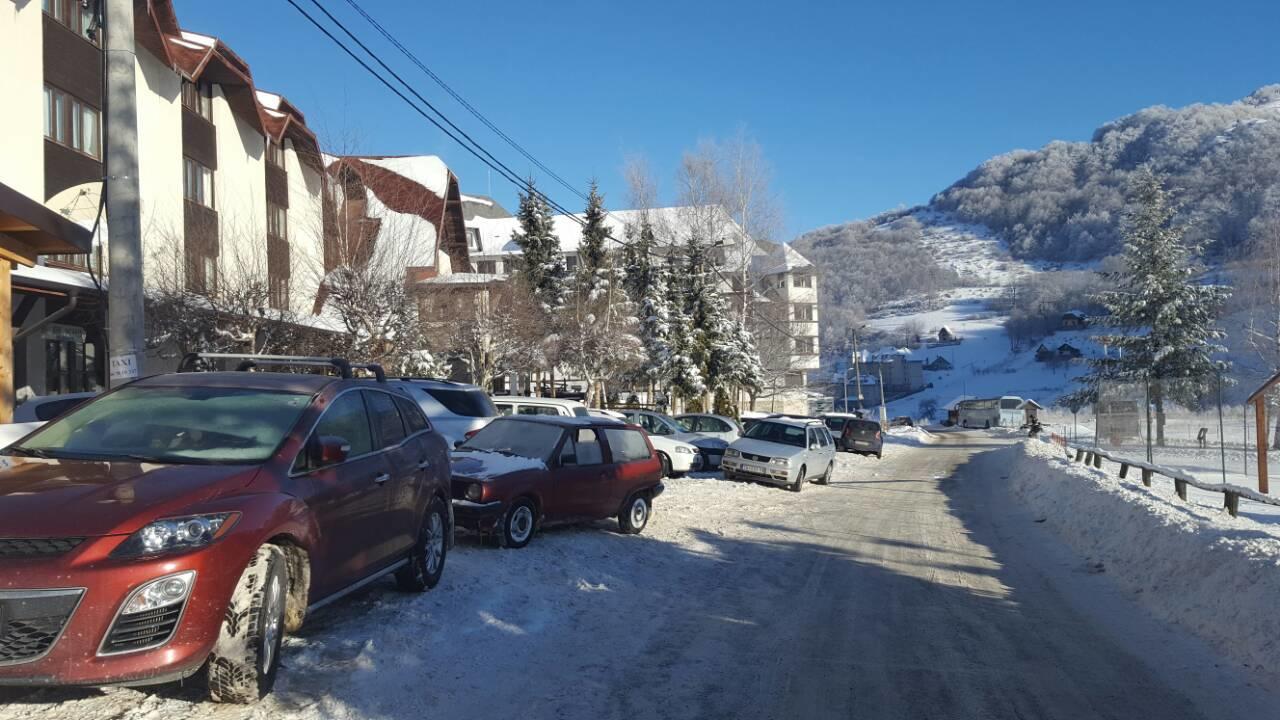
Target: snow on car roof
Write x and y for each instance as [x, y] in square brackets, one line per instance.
[561, 420]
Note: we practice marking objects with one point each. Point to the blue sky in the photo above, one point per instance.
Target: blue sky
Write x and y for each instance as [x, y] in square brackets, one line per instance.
[861, 107]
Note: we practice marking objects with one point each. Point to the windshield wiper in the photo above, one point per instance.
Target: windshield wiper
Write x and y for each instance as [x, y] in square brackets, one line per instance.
[30, 452]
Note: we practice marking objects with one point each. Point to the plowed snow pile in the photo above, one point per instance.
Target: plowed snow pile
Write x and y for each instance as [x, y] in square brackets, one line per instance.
[1214, 575]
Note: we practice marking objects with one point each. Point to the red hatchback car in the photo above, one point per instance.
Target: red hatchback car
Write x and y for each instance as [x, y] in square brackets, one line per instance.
[523, 470]
[184, 523]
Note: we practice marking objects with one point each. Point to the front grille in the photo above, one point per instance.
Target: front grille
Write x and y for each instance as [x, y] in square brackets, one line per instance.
[757, 458]
[142, 630]
[31, 622]
[37, 547]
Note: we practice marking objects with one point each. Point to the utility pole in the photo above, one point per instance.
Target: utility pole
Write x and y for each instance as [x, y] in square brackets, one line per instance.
[124, 225]
[884, 412]
[857, 368]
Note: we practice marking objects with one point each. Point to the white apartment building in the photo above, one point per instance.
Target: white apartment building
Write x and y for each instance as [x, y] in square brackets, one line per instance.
[231, 178]
[783, 283]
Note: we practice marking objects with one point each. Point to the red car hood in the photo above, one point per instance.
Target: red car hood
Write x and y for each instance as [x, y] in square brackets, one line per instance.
[79, 498]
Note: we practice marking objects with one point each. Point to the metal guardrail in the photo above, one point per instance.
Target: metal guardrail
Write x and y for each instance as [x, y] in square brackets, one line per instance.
[1093, 456]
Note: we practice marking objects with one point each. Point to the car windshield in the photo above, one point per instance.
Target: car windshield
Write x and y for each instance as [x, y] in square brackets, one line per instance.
[181, 425]
[686, 423]
[467, 403]
[516, 437]
[776, 432]
[835, 423]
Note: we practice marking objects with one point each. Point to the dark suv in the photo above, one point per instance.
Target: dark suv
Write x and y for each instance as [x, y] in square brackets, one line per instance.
[185, 522]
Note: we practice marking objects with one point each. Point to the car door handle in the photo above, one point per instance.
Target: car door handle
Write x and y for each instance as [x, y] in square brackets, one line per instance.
[381, 478]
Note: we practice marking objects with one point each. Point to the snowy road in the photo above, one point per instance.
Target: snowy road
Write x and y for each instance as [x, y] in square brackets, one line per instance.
[909, 588]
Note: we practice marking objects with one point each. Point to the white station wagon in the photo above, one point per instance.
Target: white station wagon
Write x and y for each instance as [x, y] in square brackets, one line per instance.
[782, 451]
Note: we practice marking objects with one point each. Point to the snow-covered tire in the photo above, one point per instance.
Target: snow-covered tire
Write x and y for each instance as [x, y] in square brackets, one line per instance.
[518, 524]
[799, 483]
[242, 667]
[426, 560]
[826, 476]
[666, 464]
[635, 514]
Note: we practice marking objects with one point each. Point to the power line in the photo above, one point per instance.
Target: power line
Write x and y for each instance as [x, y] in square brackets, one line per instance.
[461, 100]
[478, 151]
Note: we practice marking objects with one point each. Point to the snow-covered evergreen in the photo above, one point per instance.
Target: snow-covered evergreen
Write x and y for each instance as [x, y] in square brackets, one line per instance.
[1164, 320]
[541, 266]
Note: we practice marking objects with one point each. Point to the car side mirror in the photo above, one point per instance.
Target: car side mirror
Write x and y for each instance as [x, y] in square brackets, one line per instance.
[331, 450]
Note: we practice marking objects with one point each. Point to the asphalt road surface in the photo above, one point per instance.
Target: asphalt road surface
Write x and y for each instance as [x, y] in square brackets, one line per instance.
[910, 588]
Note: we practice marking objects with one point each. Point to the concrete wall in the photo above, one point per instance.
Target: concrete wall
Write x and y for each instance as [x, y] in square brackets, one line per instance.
[240, 194]
[159, 159]
[306, 232]
[22, 92]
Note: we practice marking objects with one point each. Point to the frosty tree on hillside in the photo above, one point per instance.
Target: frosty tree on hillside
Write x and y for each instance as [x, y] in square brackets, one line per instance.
[1163, 320]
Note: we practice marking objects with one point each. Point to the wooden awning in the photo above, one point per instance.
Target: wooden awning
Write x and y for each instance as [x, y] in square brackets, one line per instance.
[28, 229]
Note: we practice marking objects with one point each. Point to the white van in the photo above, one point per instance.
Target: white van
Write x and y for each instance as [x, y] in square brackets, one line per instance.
[520, 405]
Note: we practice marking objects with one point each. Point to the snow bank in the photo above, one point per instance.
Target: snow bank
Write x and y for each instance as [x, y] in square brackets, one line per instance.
[1195, 566]
[916, 436]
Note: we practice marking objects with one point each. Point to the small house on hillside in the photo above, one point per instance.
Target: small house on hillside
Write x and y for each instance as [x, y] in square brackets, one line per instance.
[945, 334]
[1044, 354]
[938, 364]
[1074, 320]
[1032, 410]
[1067, 351]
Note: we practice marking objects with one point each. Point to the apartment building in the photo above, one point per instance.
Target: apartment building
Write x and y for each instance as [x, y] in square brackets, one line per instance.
[231, 178]
[780, 284]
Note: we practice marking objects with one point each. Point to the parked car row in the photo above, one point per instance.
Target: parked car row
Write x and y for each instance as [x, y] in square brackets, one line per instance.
[182, 524]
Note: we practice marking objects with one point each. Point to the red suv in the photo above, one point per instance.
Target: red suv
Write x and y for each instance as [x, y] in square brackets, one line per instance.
[183, 523]
[522, 470]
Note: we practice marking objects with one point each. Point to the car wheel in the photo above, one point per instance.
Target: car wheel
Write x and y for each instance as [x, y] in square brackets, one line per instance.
[826, 476]
[518, 524]
[879, 454]
[799, 483]
[426, 560]
[242, 667]
[666, 464]
[635, 515]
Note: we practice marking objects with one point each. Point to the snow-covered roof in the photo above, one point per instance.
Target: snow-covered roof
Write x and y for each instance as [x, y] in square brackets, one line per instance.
[477, 199]
[671, 222]
[198, 39]
[782, 258]
[428, 171]
[463, 279]
[270, 101]
[55, 277]
[1077, 313]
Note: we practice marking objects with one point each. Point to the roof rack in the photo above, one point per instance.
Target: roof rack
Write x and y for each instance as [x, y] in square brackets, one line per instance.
[249, 362]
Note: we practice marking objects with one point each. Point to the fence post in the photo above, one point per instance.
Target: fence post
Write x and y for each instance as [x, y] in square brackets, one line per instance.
[1097, 460]
[1222, 434]
[1232, 503]
[1124, 470]
[1146, 477]
[1180, 486]
[1079, 454]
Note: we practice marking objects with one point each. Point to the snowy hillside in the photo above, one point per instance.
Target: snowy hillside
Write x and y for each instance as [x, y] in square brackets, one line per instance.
[984, 364]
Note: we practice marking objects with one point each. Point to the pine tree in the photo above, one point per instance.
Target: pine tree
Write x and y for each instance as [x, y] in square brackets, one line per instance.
[541, 265]
[1164, 321]
[678, 366]
[592, 272]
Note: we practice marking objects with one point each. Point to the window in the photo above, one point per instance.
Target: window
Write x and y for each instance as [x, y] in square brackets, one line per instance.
[346, 418]
[69, 121]
[504, 408]
[487, 267]
[277, 221]
[776, 432]
[182, 425]
[198, 98]
[72, 14]
[275, 154]
[582, 447]
[467, 403]
[517, 437]
[626, 445]
[806, 345]
[473, 239]
[537, 410]
[805, 313]
[197, 182]
[388, 428]
[570, 262]
[802, 281]
[277, 291]
[414, 420]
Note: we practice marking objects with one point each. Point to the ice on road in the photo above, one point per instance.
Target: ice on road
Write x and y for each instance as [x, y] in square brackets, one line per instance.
[910, 587]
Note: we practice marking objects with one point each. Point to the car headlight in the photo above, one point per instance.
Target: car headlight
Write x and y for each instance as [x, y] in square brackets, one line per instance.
[780, 461]
[732, 453]
[684, 450]
[159, 593]
[475, 492]
[177, 534]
